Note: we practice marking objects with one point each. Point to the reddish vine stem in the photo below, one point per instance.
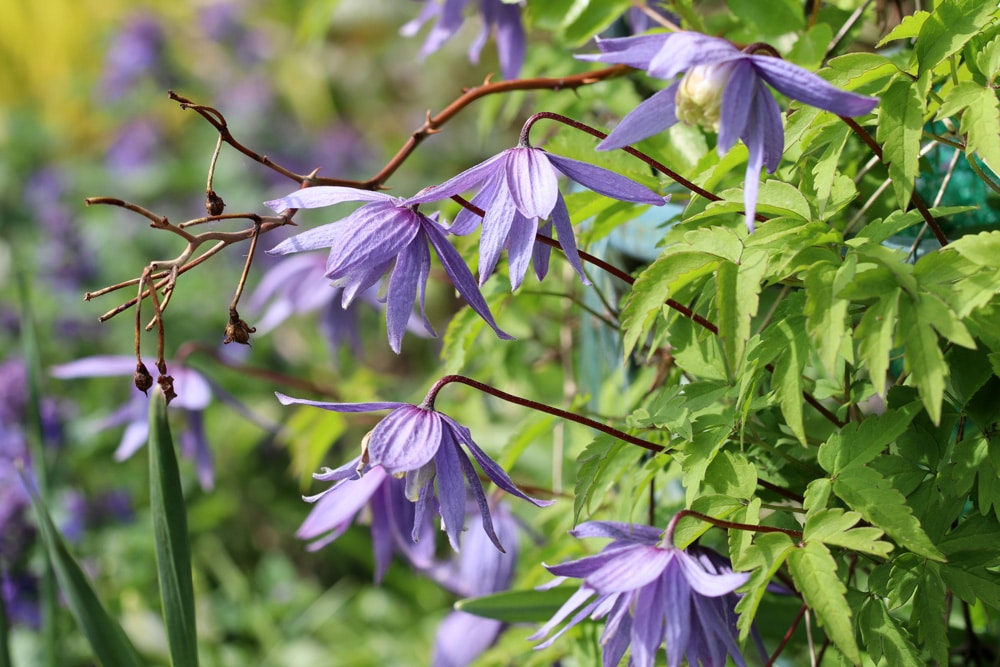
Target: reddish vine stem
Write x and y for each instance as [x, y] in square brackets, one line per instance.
[788, 635]
[428, 403]
[917, 201]
[729, 525]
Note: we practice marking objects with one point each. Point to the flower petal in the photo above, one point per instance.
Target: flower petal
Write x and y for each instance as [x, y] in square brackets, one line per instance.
[520, 242]
[412, 263]
[316, 238]
[496, 226]
[635, 52]
[605, 182]
[341, 407]
[374, 234]
[541, 252]
[567, 240]
[578, 598]
[802, 85]
[462, 637]
[688, 49]
[628, 532]
[483, 172]
[335, 511]
[450, 488]
[405, 440]
[647, 623]
[735, 108]
[98, 366]
[629, 569]
[651, 117]
[707, 584]
[476, 487]
[325, 195]
[531, 180]
[133, 438]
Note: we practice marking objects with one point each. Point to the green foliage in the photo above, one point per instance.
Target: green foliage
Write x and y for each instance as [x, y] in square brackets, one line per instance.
[518, 606]
[815, 573]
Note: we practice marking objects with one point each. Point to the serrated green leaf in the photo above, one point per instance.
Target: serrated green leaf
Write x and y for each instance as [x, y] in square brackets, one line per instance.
[858, 443]
[862, 72]
[900, 124]
[908, 28]
[875, 337]
[835, 527]
[108, 641]
[817, 495]
[825, 169]
[731, 474]
[883, 637]
[980, 122]
[947, 30]
[775, 198]
[865, 490]
[787, 376]
[599, 467]
[928, 613]
[982, 249]
[815, 574]
[690, 528]
[518, 606]
[173, 553]
[738, 294]
[594, 17]
[765, 557]
[988, 59]
[923, 357]
[826, 314]
[945, 321]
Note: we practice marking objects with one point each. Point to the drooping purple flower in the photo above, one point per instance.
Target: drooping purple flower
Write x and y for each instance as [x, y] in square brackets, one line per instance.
[651, 593]
[386, 234]
[725, 90]
[479, 569]
[518, 188]
[502, 18]
[425, 448]
[193, 395]
[392, 518]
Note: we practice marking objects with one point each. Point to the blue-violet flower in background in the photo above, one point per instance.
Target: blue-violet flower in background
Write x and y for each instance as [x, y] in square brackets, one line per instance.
[724, 90]
[392, 518]
[519, 187]
[503, 18]
[425, 448]
[387, 233]
[651, 593]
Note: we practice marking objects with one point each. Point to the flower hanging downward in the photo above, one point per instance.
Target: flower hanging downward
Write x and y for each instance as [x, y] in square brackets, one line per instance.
[724, 90]
[651, 593]
[387, 233]
[425, 448]
[518, 188]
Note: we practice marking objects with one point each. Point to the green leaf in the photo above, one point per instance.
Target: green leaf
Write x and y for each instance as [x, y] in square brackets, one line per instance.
[826, 314]
[787, 376]
[738, 294]
[988, 59]
[875, 336]
[900, 123]
[928, 613]
[774, 18]
[982, 249]
[924, 359]
[825, 170]
[980, 122]
[765, 557]
[835, 527]
[690, 528]
[109, 642]
[173, 554]
[518, 606]
[866, 491]
[775, 198]
[883, 637]
[815, 574]
[599, 467]
[859, 443]
[908, 28]
[947, 30]
[578, 27]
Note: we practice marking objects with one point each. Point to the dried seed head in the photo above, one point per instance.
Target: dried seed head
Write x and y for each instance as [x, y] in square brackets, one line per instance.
[237, 331]
[214, 204]
[166, 383]
[142, 379]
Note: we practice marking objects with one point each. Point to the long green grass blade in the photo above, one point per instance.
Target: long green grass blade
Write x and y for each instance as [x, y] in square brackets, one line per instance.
[173, 553]
[109, 642]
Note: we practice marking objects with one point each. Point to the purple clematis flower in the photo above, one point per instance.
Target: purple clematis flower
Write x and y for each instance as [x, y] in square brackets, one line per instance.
[518, 188]
[425, 448]
[391, 517]
[652, 594]
[502, 17]
[386, 233]
[193, 396]
[724, 89]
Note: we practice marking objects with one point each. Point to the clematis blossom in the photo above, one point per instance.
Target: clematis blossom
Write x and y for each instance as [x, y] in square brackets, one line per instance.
[424, 447]
[499, 17]
[517, 189]
[386, 235]
[726, 90]
[651, 593]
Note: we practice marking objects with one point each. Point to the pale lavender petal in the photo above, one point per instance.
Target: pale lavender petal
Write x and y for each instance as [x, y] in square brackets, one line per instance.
[383, 538]
[616, 637]
[425, 272]
[496, 226]
[325, 195]
[476, 487]
[635, 52]
[676, 602]
[405, 440]
[567, 241]
[647, 623]
[341, 407]
[541, 252]
[335, 511]
[462, 637]
[520, 242]
[403, 289]
[316, 238]
[450, 488]
[629, 569]
[509, 39]
[735, 107]
[629, 532]
[361, 280]
[605, 182]
[133, 438]
[651, 117]
[375, 234]
[689, 49]
[578, 598]
[425, 497]
[194, 444]
[346, 471]
[531, 181]
[193, 391]
[802, 85]
[709, 585]
[99, 366]
[451, 19]
[468, 179]
[461, 277]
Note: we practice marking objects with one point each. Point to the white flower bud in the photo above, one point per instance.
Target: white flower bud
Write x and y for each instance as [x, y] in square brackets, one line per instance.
[699, 97]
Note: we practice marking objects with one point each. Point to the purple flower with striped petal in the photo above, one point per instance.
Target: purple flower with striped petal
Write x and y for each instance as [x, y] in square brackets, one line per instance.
[424, 447]
[503, 18]
[518, 188]
[651, 594]
[193, 395]
[391, 517]
[725, 90]
[386, 235]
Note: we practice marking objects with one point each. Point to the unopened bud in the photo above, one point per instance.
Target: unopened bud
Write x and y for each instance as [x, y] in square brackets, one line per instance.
[142, 379]
[237, 331]
[214, 204]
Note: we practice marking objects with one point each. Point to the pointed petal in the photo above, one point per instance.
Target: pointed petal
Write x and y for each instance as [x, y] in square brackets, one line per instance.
[605, 182]
[629, 569]
[133, 438]
[466, 221]
[450, 488]
[617, 636]
[405, 440]
[462, 637]
[709, 585]
[676, 603]
[689, 49]
[802, 85]
[324, 195]
[735, 109]
[194, 444]
[629, 532]
[635, 52]
[531, 181]
[335, 511]
[476, 487]
[647, 623]
[468, 179]
[541, 252]
[509, 38]
[403, 289]
[651, 117]
[567, 241]
[193, 391]
[341, 407]
[496, 226]
[374, 234]
[460, 276]
[520, 241]
[572, 604]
